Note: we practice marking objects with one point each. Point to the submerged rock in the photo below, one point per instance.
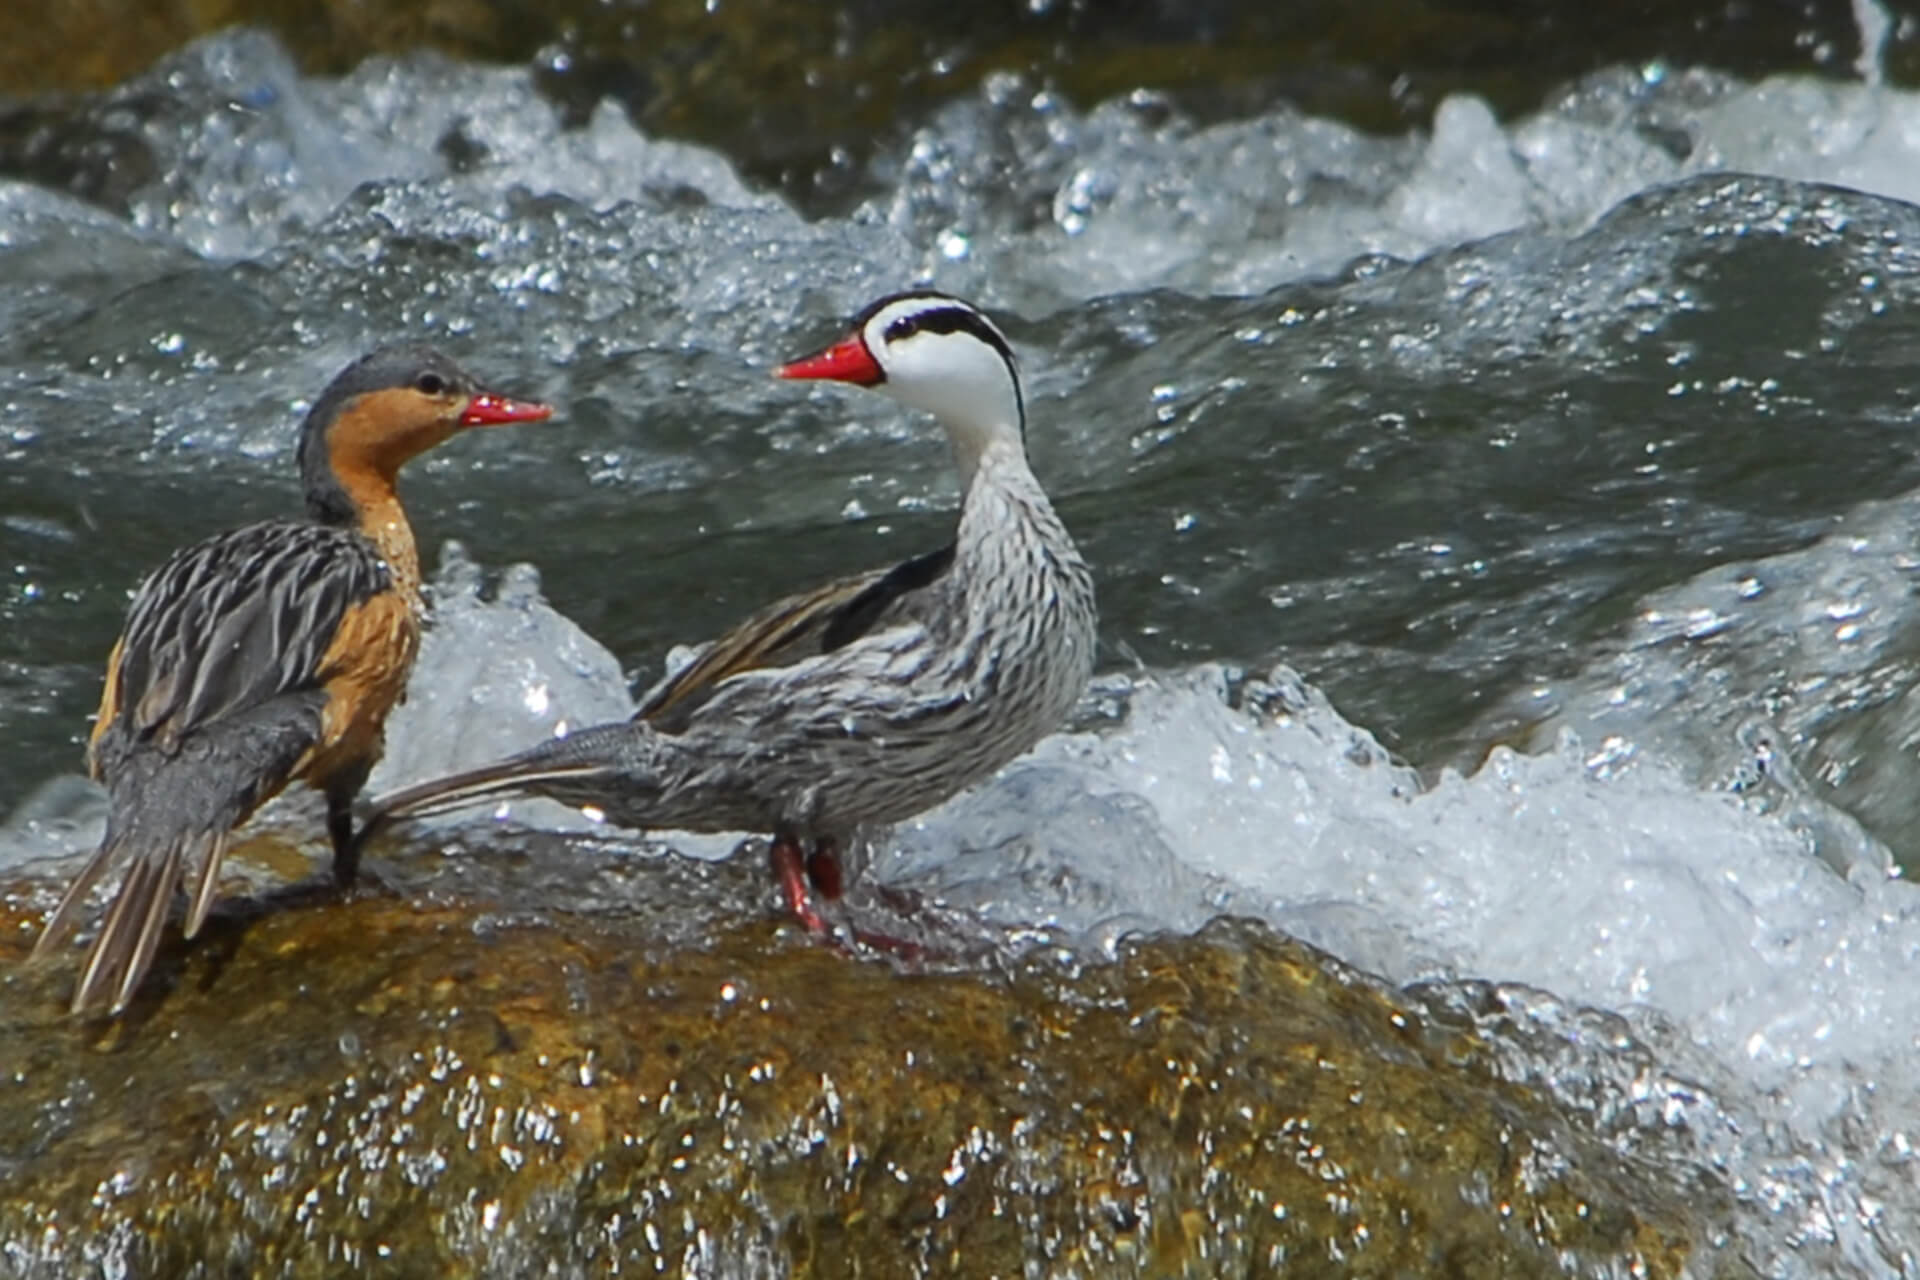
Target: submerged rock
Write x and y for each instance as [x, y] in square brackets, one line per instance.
[467, 1080]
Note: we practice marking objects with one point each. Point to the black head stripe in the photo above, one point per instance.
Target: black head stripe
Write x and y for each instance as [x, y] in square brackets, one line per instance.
[944, 313]
[950, 320]
[875, 307]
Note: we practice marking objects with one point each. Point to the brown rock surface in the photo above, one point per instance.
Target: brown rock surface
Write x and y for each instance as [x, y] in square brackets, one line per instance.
[469, 1080]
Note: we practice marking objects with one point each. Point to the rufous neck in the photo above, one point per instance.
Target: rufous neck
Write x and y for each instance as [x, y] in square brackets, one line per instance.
[381, 520]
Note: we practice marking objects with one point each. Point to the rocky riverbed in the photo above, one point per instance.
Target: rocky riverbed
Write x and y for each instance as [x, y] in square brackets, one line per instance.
[463, 1079]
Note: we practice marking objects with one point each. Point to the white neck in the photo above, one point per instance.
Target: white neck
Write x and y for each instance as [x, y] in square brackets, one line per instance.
[977, 444]
[968, 386]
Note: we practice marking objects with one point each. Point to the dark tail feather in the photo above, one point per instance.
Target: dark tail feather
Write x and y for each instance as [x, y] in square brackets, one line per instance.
[147, 938]
[167, 810]
[123, 950]
[114, 942]
[575, 770]
[208, 882]
[457, 790]
[60, 923]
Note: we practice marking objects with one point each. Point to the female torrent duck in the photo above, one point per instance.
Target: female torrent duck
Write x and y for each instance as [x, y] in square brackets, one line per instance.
[871, 699]
[264, 655]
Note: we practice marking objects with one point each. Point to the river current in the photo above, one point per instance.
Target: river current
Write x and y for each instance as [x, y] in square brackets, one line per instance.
[1505, 532]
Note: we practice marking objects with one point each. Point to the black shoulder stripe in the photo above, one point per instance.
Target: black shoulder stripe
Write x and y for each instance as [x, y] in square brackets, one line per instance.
[859, 614]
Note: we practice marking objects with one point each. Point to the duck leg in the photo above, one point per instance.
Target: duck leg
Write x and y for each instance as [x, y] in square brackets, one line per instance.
[789, 868]
[823, 868]
[340, 790]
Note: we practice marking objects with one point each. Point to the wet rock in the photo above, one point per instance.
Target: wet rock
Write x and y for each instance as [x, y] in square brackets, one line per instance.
[466, 1079]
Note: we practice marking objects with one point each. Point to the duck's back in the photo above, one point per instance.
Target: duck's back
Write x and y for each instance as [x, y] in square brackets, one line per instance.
[226, 626]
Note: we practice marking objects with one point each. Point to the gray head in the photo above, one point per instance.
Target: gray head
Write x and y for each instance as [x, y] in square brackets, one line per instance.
[385, 408]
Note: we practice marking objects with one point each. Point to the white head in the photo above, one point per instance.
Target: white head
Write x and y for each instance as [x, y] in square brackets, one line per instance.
[934, 352]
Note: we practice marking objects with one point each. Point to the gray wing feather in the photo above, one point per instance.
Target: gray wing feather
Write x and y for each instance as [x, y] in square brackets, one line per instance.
[236, 620]
[792, 629]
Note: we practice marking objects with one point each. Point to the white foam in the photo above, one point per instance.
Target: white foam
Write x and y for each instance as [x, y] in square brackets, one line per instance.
[1605, 879]
[1140, 199]
[1603, 875]
[497, 672]
[1734, 673]
[1599, 873]
[254, 152]
[254, 155]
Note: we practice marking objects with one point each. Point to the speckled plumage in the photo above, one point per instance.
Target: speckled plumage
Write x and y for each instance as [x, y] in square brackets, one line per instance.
[874, 698]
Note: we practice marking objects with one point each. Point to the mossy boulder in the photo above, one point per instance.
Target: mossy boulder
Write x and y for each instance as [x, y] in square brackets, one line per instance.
[568, 1059]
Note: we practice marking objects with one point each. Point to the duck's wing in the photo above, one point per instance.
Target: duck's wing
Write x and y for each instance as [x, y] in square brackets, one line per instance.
[227, 624]
[800, 626]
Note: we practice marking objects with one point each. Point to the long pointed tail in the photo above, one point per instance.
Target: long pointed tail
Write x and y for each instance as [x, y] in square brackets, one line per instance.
[523, 774]
[169, 822]
[130, 934]
[458, 790]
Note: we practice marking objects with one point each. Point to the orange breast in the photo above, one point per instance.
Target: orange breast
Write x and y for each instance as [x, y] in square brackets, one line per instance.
[364, 672]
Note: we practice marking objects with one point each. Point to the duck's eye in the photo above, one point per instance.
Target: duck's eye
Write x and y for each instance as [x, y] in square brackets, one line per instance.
[431, 384]
[904, 327]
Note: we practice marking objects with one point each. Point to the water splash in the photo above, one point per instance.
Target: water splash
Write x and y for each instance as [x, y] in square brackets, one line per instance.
[1762, 1006]
[1287, 408]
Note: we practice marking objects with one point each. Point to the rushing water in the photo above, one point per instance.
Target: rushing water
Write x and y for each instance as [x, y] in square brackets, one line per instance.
[1552, 433]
